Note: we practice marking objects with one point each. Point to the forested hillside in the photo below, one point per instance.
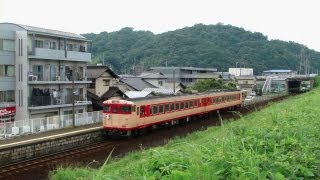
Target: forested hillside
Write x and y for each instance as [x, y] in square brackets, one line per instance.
[213, 46]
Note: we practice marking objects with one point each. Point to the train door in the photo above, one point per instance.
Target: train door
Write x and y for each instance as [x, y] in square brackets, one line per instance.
[204, 102]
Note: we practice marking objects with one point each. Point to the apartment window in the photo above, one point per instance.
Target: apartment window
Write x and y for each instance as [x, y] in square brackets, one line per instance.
[37, 71]
[76, 47]
[7, 70]
[69, 47]
[67, 112]
[7, 96]
[53, 45]
[53, 73]
[106, 82]
[82, 48]
[39, 44]
[6, 45]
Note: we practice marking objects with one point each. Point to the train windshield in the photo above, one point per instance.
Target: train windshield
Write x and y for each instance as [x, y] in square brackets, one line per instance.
[125, 109]
[117, 109]
[106, 108]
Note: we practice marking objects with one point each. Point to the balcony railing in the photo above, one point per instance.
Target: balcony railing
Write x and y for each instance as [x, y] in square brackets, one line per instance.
[43, 53]
[74, 55]
[55, 78]
[36, 101]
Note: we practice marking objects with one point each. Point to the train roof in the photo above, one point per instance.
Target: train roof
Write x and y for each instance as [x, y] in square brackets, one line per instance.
[182, 95]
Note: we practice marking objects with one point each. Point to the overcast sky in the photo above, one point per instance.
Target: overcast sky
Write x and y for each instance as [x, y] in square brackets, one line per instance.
[289, 20]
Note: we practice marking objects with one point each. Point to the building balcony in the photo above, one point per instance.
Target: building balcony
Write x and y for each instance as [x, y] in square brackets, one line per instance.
[75, 55]
[49, 102]
[55, 54]
[39, 79]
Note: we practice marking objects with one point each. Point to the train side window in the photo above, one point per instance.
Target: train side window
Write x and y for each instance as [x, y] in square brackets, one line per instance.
[191, 104]
[133, 108]
[186, 104]
[160, 108]
[151, 110]
[182, 105]
[138, 111]
[167, 108]
[202, 101]
[142, 110]
[177, 106]
[155, 110]
[171, 107]
[195, 103]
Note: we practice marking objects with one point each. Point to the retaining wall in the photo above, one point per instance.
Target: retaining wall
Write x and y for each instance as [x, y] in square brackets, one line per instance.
[44, 147]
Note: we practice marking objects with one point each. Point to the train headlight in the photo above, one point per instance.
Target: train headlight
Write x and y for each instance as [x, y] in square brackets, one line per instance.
[107, 116]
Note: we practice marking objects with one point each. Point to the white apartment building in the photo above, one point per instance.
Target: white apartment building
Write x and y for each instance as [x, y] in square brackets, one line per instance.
[41, 70]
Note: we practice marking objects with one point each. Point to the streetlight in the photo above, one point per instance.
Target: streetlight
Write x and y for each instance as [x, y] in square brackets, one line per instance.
[237, 64]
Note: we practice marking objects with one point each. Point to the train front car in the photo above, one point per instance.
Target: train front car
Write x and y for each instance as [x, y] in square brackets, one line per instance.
[118, 117]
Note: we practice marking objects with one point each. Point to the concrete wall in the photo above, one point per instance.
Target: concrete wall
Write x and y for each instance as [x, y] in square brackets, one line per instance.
[100, 87]
[155, 82]
[21, 73]
[46, 147]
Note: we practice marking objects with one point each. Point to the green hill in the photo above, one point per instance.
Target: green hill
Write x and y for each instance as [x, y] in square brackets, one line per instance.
[216, 46]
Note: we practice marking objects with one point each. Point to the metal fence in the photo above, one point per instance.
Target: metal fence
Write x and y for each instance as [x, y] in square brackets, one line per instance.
[38, 125]
[267, 97]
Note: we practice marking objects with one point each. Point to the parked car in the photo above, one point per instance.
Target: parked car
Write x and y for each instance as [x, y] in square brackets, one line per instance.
[249, 98]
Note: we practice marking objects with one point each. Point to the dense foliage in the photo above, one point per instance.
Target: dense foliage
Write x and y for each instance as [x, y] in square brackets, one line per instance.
[213, 46]
[278, 142]
[317, 81]
[212, 84]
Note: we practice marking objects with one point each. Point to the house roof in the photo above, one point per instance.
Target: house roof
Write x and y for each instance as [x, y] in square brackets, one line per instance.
[137, 94]
[185, 68]
[136, 83]
[152, 75]
[160, 90]
[111, 92]
[278, 71]
[96, 71]
[45, 31]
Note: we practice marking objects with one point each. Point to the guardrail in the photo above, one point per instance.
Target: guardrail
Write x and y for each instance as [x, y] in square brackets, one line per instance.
[39, 125]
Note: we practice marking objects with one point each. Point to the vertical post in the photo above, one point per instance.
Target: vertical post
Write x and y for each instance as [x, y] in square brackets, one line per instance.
[65, 48]
[33, 44]
[174, 82]
[73, 113]
[103, 58]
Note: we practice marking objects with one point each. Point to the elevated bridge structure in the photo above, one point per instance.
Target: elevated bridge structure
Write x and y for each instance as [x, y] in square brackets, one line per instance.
[299, 83]
[292, 84]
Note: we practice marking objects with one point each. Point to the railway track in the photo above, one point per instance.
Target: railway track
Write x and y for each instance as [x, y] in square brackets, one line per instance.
[152, 139]
[9, 171]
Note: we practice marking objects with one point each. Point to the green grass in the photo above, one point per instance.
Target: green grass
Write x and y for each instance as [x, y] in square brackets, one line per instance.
[279, 142]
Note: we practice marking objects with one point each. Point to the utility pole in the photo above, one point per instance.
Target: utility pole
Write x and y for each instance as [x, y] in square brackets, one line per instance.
[174, 82]
[102, 58]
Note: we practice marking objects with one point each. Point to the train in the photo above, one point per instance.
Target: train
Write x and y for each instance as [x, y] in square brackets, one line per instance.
[130, 117]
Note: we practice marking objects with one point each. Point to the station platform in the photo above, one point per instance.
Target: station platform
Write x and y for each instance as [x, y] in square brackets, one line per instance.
[48, 135]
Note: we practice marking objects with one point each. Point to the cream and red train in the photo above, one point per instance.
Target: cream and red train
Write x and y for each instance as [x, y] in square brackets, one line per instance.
[128, 117]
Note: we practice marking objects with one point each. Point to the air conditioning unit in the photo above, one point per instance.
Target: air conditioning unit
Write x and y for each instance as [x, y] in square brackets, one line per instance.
[34, 78]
